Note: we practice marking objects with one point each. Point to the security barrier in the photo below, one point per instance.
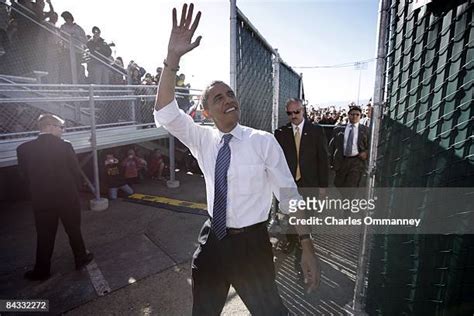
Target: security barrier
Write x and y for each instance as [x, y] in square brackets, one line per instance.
[262, 81]
[425, 140]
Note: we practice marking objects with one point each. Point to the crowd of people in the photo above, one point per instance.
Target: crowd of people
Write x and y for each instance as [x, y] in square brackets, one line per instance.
[34, 43]
[32, 39]
[330, 115]
[123, 169]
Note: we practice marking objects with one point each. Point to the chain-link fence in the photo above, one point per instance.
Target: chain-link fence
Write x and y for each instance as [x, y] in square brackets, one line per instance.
[115, 105]
[261, 90]
[426, 141]
[254, 86]
[289, 87]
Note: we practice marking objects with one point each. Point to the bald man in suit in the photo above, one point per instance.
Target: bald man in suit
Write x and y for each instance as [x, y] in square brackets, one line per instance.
[50, 167]
[306, 153]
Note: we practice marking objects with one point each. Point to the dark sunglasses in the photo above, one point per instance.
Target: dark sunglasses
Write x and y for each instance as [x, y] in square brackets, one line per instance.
[293, 112]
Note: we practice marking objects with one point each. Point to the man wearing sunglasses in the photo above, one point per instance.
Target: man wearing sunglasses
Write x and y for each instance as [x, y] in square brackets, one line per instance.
[51, 170]
[348, 150]
[306, 152]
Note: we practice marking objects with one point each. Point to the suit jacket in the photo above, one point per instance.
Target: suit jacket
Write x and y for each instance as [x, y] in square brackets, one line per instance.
[336, 145]
[313, 158]
[50, 167]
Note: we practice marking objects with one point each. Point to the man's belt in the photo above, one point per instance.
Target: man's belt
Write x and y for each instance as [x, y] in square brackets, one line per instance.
[235, 231]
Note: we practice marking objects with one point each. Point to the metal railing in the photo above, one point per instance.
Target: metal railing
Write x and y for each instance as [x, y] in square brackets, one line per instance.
[97, 117]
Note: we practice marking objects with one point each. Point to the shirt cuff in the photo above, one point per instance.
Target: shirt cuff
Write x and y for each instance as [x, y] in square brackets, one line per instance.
[166, 114]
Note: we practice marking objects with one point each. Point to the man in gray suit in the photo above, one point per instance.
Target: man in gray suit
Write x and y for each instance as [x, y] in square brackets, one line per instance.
[348, 150]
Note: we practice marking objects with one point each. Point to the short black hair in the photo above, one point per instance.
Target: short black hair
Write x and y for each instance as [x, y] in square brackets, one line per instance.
[67, 15]
[355, 108]
[205, 94]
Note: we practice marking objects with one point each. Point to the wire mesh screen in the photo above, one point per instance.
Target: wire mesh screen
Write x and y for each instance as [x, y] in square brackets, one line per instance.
[426, 141]
[22, 104]
[254, 78]
[289, 87]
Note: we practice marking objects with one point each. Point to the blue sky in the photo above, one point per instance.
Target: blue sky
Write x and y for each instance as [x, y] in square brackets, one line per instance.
[306, 33]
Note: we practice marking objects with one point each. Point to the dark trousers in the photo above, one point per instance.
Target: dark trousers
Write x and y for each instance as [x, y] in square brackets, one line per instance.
[350, 173]
[46, 221]
[293, 237]
[244, 260]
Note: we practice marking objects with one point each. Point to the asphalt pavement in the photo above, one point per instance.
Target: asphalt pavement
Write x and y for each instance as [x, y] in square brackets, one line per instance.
[143, 254]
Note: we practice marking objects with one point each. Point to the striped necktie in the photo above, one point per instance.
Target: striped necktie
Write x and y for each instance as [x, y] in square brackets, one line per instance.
[350, 140]
[220, 189]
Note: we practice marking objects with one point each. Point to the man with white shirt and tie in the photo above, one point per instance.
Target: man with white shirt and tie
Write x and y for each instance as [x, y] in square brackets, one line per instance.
[242, 167]
[348, 150]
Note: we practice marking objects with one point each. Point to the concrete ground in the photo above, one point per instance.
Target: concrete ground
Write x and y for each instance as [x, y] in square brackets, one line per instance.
[142, 261]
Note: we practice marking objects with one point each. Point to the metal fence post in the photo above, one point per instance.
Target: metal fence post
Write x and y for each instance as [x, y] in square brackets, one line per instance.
[73, 60]
[233, 45]
[72, 57]
[95, 160]
[132, 102]
[276, 90]
[172, 182]
[98, 204]
[359, 299]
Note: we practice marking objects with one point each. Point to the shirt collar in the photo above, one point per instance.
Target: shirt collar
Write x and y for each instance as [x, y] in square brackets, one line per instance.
[356, 125]
[300, 126]
[237, 132]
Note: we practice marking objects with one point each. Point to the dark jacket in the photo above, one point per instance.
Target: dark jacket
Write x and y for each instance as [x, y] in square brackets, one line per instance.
[313, 157]
[50, 167]
[336, 145]
[100, 49]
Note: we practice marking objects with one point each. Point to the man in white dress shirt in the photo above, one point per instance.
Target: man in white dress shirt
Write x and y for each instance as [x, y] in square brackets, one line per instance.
[242, 167]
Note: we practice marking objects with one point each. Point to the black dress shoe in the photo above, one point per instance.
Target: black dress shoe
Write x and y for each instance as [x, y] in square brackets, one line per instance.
[81, 263]
[34, 275]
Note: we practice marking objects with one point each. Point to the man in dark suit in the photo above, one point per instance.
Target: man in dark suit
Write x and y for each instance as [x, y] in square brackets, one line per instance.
[306, 152]
[50, 167]
[348, 151]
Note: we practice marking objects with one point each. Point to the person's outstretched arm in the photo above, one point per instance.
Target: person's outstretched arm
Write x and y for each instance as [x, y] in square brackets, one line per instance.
[180, 43]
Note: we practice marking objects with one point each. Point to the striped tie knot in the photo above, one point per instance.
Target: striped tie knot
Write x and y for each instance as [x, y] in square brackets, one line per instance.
[227, 138]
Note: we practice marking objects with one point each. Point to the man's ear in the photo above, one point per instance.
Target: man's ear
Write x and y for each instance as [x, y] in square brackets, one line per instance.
[206, 113]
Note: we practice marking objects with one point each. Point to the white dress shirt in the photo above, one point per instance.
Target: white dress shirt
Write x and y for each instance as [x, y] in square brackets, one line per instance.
[257, 166]
[355, 132]
[300, 128]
